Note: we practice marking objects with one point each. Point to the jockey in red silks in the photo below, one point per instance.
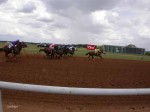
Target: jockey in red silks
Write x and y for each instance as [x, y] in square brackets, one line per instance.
[51, 47]
[13, 43]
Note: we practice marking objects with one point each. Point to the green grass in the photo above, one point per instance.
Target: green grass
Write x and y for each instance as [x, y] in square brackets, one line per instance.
[33, 49]
[127, 56]
[83, 51]
[3, 44]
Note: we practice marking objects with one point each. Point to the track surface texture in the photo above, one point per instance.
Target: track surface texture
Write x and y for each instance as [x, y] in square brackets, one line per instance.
[74, 72]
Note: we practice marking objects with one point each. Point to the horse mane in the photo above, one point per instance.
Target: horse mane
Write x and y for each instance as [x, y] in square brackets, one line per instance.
[21, 44]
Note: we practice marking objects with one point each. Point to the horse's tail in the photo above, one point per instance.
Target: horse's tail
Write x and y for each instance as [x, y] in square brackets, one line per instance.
[41, 50]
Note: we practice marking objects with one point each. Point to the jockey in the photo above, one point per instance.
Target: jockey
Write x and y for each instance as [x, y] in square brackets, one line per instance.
[70, 48]
[97, 50]
[13, 43]
[51, 47]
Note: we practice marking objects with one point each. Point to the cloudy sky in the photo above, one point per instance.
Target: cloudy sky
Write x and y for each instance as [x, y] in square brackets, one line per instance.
[112, 22]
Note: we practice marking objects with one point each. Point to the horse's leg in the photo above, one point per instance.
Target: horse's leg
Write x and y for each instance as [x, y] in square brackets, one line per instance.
[6, 54]
[14, 57]
[89, 57]
[100, 56]
[7, 57]
[72, 53]
[52, 56]
[61, 56]
[19, 55]
[92, 57]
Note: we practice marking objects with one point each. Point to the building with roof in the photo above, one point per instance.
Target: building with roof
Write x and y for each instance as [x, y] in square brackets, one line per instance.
[129, 49]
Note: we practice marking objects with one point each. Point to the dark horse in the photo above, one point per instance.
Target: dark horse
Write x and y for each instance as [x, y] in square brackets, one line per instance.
[93, 53]
[14, 50]
[56, 52]
[68, 50]
[46, 51]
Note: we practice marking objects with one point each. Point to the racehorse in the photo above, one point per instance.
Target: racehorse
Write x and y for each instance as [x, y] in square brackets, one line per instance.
[69, 50]
[59, 51]
[13, 50]
[56, 52]
[46, 51]
[93, 53]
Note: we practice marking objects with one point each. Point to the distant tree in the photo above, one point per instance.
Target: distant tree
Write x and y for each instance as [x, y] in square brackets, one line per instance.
[147, 53]
[131, 46]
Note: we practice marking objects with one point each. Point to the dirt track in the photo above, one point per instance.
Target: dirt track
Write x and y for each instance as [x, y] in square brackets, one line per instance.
[76, 72]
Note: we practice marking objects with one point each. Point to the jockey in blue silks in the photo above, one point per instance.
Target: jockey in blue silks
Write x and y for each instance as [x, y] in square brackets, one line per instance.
[13, 44]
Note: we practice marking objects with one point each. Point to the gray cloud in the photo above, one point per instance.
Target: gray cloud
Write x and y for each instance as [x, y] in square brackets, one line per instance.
[114, 22]
[73, 9]
[28, 8]
[46, 20]
[2, 1]
[83, 5]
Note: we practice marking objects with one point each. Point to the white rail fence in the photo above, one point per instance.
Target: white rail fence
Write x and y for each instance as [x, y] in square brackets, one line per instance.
[72, 90]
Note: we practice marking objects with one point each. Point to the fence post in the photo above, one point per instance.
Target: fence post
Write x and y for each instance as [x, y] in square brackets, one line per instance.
[1, 110]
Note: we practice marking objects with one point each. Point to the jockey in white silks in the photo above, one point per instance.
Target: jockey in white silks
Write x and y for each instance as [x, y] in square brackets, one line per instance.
[70, 48]
[97, 50]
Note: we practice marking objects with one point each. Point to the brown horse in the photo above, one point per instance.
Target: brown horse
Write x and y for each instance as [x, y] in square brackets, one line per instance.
[53, 53]
[13, 50]
[93, 53]
[46, 51]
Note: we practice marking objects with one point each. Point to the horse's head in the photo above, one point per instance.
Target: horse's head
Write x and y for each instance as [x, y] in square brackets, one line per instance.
[101, 52]
[22, 44]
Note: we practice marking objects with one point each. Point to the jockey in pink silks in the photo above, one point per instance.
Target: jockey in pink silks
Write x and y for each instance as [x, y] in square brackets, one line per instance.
[51, 48]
